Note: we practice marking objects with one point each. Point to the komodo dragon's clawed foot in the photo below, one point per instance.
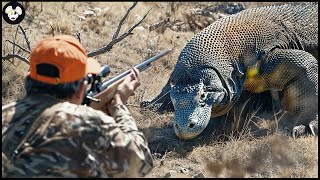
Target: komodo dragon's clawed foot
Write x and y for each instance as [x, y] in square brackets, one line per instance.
[145, 104]
[298, 131]
[148, 105]
[313, 125]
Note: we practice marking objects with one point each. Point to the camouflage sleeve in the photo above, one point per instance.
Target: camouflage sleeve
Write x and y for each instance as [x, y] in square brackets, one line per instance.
[78, 141]
[130, 155]
[4, 165]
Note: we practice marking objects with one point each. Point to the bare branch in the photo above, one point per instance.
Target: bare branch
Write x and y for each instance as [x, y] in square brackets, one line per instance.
[131, 29]
[26, 50]
[52, 30]
[109, 46]
[78, 36]
[159, 24]
[115, 35]
[116, 38]
[105, 48]
[12, 54]
[24, 35]
[9, 56]
[13, 37]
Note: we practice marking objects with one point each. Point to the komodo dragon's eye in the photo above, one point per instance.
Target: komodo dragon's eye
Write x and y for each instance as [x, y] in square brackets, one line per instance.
[202, 94]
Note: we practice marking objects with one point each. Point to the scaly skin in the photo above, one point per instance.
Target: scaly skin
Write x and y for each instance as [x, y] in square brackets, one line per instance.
[260, 49]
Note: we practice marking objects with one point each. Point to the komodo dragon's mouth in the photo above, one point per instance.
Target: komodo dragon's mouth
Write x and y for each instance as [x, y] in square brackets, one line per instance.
[231, 99]
[187, 136]
[221, 110]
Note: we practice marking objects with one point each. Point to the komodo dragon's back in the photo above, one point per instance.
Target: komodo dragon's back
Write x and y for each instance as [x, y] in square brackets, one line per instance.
[240, 36]
[266, 48]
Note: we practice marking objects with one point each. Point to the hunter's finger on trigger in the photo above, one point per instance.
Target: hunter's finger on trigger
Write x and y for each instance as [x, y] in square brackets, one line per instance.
[135, 71]
[134, 75]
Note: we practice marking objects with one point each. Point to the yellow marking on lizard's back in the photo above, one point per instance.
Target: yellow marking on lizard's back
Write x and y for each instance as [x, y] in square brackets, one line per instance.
[254, 82]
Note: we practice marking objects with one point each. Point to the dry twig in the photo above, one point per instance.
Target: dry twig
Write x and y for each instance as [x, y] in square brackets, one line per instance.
[9, 56]
[116, 38]
[13, 54]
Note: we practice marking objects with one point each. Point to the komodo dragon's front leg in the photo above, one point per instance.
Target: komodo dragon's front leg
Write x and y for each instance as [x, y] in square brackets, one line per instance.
[162, 102]
[296, 73]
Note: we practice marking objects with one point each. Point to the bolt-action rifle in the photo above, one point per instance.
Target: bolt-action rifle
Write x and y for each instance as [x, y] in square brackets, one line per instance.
[102, 92]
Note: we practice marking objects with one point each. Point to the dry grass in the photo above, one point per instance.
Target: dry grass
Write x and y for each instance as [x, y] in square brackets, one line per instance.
[12, 81]
[273, 156]
[239, 145]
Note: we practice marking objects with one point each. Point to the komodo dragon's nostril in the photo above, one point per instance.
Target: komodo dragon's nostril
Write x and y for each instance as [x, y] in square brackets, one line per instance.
[177, 127]
[191, 125]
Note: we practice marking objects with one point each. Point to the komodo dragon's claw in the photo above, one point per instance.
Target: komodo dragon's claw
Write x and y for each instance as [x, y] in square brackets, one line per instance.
[150, 106]
[313, 125]
[144, 104]
[302, 129]
[297, 131]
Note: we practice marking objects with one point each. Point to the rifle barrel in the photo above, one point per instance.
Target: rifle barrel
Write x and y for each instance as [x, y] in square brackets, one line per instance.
[141, 67]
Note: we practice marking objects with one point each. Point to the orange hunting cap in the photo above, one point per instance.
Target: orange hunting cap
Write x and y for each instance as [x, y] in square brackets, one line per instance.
[67, 55]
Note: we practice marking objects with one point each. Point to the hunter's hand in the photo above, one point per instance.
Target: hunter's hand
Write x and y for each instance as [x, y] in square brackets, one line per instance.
[125, 89]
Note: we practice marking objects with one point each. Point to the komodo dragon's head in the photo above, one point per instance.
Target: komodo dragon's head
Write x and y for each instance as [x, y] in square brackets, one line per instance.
[207, 80]
[196, 101]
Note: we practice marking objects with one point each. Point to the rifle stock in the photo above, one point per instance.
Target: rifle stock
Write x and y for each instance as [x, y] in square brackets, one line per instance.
[106, 95]
[108, 88]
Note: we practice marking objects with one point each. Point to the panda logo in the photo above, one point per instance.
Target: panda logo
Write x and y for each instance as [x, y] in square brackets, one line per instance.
[13, 13]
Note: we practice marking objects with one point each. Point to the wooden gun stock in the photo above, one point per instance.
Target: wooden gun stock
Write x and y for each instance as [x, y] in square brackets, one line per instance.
[106, 95]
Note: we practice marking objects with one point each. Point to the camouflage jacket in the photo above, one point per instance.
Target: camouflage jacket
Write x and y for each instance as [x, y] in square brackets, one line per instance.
[76, 141]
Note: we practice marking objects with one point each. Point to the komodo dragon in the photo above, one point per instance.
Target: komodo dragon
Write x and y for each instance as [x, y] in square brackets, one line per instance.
[259, 49]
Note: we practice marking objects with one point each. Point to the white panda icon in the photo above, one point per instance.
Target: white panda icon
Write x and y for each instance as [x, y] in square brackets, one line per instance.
[13, 14]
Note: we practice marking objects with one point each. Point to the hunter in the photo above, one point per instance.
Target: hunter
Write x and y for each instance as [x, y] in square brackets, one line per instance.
[48, 133]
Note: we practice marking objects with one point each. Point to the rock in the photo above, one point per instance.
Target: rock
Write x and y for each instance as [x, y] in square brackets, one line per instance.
[82, 18]
[234, 8]
[175, 174]
[140, 28]
[174, 28]
[97, 11]
[199, 175]
[42, 23]
[184, 170]
[210, 19]
[170, 174]
[88, 13]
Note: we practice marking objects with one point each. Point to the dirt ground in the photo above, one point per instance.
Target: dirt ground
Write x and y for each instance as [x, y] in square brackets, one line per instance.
[245, 152]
